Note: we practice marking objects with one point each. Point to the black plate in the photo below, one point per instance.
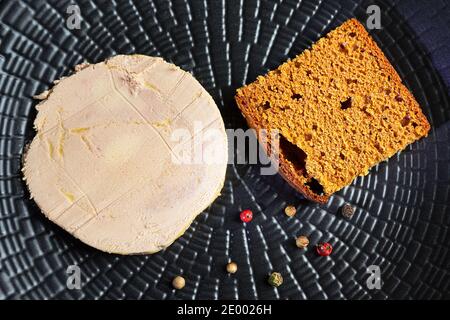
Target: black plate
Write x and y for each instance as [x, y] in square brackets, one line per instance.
[402, 217]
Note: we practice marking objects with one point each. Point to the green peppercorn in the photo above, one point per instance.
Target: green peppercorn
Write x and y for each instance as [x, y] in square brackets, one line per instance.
[347, 211]
[275, 279]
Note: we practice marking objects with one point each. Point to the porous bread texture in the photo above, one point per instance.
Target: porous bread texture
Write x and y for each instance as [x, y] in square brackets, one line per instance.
[340, 108]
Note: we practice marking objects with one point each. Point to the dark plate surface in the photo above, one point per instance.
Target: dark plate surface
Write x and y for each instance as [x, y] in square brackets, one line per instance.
[402, 207]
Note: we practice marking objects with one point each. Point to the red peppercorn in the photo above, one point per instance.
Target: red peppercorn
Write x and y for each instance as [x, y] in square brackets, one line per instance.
[324, 249]
[246, 215]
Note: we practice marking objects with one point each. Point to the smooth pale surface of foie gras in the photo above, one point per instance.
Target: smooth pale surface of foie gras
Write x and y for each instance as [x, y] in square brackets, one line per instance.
[116, 161]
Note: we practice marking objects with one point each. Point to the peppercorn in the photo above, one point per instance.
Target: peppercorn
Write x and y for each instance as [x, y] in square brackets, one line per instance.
[302, 242]
[324, 249]
[232, 267]
[246, 215]
[275, 279]
[347, 211]
[290, 211]
[178, 282]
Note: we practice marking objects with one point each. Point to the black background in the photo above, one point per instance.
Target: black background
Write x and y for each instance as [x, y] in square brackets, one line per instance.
[402, 207]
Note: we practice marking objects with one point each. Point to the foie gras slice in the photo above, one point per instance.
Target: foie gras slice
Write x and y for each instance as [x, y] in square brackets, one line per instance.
[127, 153]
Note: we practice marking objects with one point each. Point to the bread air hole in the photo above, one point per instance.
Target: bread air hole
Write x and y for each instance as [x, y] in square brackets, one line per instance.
[297, 157]
[315, 186]
[405, 121]
[266, 105]
[343, 47]
[346, 104]
[296, 96]
[378, 147]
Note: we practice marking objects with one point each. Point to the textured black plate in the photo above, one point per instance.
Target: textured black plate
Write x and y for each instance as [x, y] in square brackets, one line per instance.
[402, 218]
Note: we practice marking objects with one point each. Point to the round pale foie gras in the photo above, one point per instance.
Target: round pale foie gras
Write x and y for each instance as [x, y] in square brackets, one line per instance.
[127, 153]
